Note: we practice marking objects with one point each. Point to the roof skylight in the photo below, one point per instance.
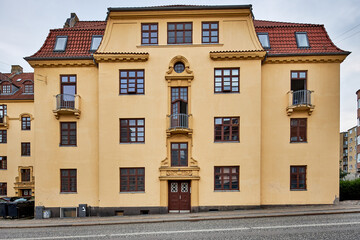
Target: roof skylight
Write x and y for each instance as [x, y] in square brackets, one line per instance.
[95, 42]
[264, 40]
[302, 40]
[60, 43]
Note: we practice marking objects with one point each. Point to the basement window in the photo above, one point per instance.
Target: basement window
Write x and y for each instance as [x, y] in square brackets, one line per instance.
[60, 43]
[302, 40]
[264, 39]
[95, 42]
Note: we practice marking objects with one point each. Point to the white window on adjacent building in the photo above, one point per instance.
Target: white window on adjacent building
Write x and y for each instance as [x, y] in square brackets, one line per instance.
[358, 157]
[359, 103]
[350, 132]
[358, 140]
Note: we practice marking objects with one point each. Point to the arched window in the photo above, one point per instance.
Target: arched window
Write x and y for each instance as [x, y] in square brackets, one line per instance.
[28, 87]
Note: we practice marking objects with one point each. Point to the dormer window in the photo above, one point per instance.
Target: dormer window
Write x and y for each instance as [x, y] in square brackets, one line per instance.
[5, 88]
[95, 42]
[302, 40]
[28, 87]
[264, 40]
[60, 43]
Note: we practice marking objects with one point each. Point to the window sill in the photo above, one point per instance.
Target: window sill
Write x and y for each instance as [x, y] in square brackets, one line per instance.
[298, 142]
[227, 92]
[226, 190]
[68, 192]
[25, 156]
[226, 141]
[182, 45]
[131, 142]
[130, 94]
[134, 192]
[67, 145]
[3, 169]
[298, 190]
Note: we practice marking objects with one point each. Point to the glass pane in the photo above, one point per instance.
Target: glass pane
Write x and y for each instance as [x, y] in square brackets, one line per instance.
[302, 75]
[154, 27]
[294, 75]
[174, 146]
[302, 40]
[145, 34]
[171, 26]
[123, 74]
[188, 26]
[63, 79]
[145, 27]
[206, 26]
[60, 43]
[95, 43]
[218, 120]
[226, 72]
[179, 26]
[183, 146]
[132, 123]
[214, 25]
[205, 39]
[140, 122]
[218, 73]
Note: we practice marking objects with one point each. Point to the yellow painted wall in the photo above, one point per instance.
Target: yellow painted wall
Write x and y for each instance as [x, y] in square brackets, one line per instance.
[15, 136]
[50, 157]
[320, 153]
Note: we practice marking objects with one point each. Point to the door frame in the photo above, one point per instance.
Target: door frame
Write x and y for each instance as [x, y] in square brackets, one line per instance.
[179, 189]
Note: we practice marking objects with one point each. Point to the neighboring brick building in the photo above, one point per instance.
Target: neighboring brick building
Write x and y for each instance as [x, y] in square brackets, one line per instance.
[185, 108]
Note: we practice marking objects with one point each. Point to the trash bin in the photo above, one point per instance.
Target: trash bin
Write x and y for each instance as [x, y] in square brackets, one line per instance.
[21, 208]
[3, 209]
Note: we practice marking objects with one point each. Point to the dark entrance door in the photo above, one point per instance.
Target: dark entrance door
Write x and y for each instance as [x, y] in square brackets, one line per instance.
[179, 196]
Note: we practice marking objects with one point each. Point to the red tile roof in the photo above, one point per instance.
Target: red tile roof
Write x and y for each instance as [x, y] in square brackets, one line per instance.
[78, 43]
[283, 42]
[281, 36]
[18, 81]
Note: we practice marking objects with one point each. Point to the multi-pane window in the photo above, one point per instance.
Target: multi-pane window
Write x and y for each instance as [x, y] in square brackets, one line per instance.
[149, 33]
[68, 180]
[28, 87]
[131, 81]
[25, 175]
[25, 123]
[3, 162]
[68, 133]
[132, 179]
[3, 136]
[132, 130]
[298, 177]
[227, 129]
[3, 112]
[3, 188]
[180, 33]
[179, 154]
[95, 42]
[226, 178]
[6, 88]
[60, 43]
[25, 149]
[302, 40]
[210, 32]
[264, 40]
[298, 129]
[226, 80]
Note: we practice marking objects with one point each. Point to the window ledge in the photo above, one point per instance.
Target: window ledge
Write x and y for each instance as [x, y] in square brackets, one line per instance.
[182, 45]
[298, 142]
[298, 190]
[68, 192]
[67, 145]
[226, 141]
[226, 190]
[131, 142]
[227, 92]
[25, 156]
[3, 169]
[134, 192]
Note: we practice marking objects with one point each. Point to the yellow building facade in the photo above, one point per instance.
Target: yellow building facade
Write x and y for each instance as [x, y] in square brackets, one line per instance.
[185, 108]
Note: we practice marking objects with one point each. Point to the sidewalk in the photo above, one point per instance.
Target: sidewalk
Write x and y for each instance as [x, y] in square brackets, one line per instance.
[342, 208]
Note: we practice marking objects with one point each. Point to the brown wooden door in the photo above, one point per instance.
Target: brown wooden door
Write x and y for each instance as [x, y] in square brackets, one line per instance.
[179, 196]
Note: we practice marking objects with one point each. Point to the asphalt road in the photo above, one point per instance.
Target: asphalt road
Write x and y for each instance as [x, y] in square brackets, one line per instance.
[338, 226]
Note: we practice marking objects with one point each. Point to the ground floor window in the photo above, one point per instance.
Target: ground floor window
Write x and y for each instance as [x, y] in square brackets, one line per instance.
[3, 162]
[68, 180]
[226, 178]
[297, 177]
[3, 188]
[132, 179]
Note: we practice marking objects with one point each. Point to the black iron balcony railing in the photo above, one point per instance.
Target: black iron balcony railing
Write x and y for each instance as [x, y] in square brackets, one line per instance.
[179, 120]
[67, 104]
[65, 101]
[301, 97]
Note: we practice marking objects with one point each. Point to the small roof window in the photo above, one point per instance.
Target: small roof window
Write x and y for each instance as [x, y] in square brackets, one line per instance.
[60, 43]
[264, 40]
[95, 42]
[302, 40]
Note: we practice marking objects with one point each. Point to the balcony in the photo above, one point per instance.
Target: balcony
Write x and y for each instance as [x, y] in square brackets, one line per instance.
[4, 123]
[179, 123]
[300, 101]
[67, 104]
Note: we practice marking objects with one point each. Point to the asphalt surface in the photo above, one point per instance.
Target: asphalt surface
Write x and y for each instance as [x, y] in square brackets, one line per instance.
[329, 226]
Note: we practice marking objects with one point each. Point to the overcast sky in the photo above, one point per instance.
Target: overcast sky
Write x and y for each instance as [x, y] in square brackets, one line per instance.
[24, 25]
